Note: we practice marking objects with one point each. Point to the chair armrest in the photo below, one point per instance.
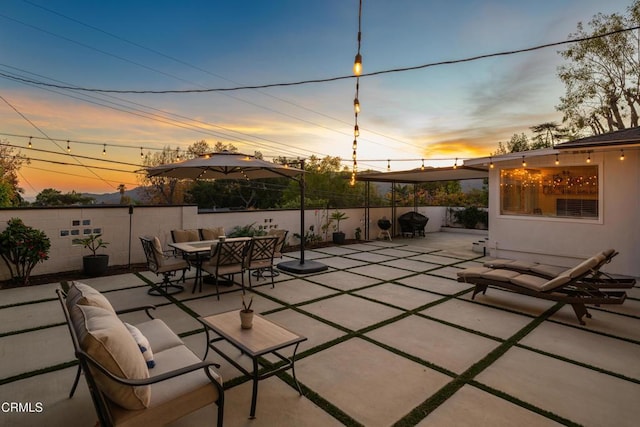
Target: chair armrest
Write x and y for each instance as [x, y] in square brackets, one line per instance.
[154, 379]
[146, 309]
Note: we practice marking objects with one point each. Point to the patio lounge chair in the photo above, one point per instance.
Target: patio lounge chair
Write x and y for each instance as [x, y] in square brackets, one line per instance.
[596, 277]
[165, 263]
[567, 287]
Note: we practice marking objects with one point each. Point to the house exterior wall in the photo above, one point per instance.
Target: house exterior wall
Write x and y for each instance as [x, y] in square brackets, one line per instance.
[564, 241]
[122, 229]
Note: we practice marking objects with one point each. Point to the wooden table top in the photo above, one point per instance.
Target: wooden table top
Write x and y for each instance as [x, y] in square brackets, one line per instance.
[264, 337]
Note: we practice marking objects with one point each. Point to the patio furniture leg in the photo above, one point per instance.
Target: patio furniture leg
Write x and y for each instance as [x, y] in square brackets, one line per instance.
[254, 395]
[580, 310]
[75, 382]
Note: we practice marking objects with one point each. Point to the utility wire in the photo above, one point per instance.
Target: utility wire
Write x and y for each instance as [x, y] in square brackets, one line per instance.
[324, 80]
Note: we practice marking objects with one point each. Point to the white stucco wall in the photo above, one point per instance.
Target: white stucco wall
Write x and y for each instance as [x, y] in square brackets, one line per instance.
[117, 225]
[564, 241]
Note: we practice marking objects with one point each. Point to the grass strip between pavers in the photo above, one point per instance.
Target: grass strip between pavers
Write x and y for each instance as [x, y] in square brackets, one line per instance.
[467, 377]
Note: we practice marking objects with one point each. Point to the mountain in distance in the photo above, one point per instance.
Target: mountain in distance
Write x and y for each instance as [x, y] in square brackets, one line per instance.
[137, 195]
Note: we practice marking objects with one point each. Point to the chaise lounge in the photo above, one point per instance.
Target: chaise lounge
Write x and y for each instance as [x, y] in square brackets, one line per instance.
[596, 278]
[567, 287]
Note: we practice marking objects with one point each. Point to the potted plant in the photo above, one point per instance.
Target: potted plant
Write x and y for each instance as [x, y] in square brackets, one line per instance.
[95, 264]
[246, 314]
[358, 233]
[338, 236]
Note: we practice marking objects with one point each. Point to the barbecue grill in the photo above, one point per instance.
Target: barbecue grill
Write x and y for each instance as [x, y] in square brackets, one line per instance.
[412, 223]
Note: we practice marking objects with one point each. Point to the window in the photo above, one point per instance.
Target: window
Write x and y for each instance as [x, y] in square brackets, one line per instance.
[569, 191]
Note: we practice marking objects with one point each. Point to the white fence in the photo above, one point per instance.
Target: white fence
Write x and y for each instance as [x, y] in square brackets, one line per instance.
[122, 226]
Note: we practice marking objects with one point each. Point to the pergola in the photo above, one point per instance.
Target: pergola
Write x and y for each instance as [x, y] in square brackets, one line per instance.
[416, 176]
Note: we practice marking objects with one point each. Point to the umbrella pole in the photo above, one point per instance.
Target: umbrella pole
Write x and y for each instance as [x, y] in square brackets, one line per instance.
[299, 266]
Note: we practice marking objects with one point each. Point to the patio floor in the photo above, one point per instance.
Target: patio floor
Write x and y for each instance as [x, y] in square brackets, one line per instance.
[393, 338]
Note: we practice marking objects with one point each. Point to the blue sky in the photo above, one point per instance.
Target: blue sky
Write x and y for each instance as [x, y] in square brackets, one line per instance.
[437, 113]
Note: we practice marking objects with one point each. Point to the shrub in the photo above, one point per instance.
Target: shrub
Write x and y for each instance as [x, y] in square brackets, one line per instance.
[470, 217]
[21, 248]
[246, 231]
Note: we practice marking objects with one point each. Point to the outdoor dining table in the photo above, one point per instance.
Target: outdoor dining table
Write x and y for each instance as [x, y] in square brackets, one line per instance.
[198, 251]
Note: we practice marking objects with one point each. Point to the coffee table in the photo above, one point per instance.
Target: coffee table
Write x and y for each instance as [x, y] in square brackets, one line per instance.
[265, 337]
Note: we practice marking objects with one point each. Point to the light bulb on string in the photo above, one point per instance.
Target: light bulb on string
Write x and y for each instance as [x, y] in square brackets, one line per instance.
[422, 166]
[141, 153]
[30, 142]
[621, 154]
[524, 163]
[68, 147]
[104, 150]
[356, 105]
[588, 157]
[388, 165]
[356, 131]
[357, 65]
[557, 160]
[455, 164]
[491, 162]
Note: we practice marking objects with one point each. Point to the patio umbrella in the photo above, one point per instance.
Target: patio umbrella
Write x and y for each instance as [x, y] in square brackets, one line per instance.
[228, 165]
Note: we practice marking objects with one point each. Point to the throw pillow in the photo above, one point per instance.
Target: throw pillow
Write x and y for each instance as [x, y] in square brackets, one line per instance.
[143, 343]
[105, 338]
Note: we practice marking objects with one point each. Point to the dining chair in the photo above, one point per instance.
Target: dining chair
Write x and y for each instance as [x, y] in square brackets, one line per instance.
[282, 240]
[165, 263]
[260, 258]
[227, 260]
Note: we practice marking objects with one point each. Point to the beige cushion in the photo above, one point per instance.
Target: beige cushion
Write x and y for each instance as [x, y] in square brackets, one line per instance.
[157, 245]
[82, 294]
[105, 338]
[185, 235]
[582, 268]
[539, 283]
[159, 335]
[500, 275]
[174, 398]
[473, 272]
[212, 233]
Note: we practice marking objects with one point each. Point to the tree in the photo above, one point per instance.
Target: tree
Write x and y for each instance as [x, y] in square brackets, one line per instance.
[160, 189]
[516, 144]
[547, 135]
[602, 80]
[52, 197]
[11, 160]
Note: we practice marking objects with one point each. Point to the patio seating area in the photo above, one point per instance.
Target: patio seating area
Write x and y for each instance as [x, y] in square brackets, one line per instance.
[392, 338]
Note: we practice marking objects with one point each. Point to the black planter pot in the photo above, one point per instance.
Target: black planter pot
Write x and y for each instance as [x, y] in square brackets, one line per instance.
[95, 265]
[338, 238]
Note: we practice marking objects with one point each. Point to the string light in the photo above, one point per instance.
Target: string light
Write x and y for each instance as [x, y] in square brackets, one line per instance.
[621, 154]
[557, 160]
[388, 165]
[455, 164]
[491, 162]
[104, 150]
[30, 142]
[357, 71]
[422, 167]
[141, 153]
[524, 163]
[588, 157]
[68, 147]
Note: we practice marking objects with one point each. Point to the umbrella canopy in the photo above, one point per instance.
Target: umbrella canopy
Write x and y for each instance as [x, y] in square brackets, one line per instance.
[223, 165]
[227, 165]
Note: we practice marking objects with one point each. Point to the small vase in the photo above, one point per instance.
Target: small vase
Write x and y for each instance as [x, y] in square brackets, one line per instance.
[246, 319]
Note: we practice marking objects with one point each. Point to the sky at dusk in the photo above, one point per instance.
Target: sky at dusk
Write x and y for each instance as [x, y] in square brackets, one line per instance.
[437, 113]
